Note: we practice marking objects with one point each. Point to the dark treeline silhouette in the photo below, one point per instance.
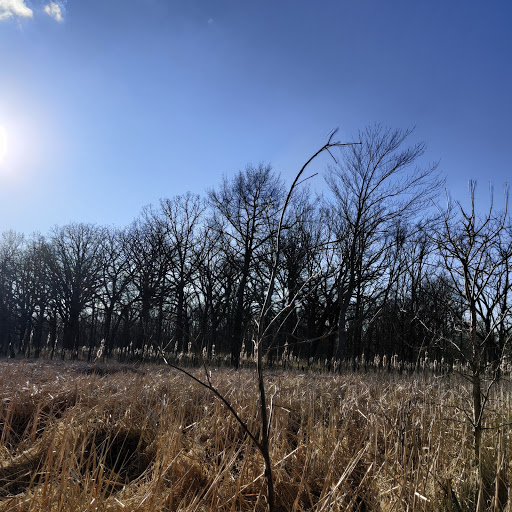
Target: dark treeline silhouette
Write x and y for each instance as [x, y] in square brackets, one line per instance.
[373, 269]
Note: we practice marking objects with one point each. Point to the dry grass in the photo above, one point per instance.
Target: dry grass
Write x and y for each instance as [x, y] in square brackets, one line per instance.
[151, 440]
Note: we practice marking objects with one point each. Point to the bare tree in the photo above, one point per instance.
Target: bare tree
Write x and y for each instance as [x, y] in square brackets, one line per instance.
[11, 247]
[496, 303]
[149, 261]
[300, 270]
[215, 291]
[72, 257]
[40, 291]
[31, 294]
[373, 186]
[181, 219]
[473, 254]
[115, 279]
[245, 210]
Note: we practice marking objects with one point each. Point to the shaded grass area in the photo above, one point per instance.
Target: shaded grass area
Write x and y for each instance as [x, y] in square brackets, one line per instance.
[112, 438]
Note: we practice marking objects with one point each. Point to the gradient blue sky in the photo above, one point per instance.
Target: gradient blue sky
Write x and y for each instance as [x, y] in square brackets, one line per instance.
[109, 105]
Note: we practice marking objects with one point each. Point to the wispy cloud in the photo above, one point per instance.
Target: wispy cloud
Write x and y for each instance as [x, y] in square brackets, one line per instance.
[54, 10]
[18, 8]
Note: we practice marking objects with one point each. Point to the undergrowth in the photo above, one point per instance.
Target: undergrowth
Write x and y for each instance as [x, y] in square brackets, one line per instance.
[76, 437]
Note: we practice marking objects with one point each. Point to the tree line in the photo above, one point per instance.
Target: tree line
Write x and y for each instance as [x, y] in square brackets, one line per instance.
[378, 266]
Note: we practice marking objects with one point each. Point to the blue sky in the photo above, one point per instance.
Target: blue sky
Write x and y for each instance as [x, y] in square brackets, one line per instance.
[108, 105]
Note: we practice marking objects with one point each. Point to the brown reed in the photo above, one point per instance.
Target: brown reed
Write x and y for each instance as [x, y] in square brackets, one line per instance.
[118, 438]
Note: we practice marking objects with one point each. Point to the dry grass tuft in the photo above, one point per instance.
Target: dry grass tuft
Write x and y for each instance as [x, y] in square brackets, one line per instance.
[113, 438]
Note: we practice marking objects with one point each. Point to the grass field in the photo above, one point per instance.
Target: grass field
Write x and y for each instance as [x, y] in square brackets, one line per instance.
[111, 438]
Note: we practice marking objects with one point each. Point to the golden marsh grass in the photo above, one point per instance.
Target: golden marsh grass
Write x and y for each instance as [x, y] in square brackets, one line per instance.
[114, 438]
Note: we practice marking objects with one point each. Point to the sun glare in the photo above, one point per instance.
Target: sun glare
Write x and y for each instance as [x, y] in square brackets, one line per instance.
[3, 143]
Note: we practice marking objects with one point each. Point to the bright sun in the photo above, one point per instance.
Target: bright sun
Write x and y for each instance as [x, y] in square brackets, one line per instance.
[3, 143]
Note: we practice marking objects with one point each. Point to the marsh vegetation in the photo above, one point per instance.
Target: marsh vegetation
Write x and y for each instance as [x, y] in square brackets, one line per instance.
[120, 438]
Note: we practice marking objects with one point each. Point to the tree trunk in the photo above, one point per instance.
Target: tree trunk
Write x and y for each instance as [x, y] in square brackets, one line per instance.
[476, 382]
[238, 335]
[180, 317]
[106, 330]
[38, 334]
[341, 345]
